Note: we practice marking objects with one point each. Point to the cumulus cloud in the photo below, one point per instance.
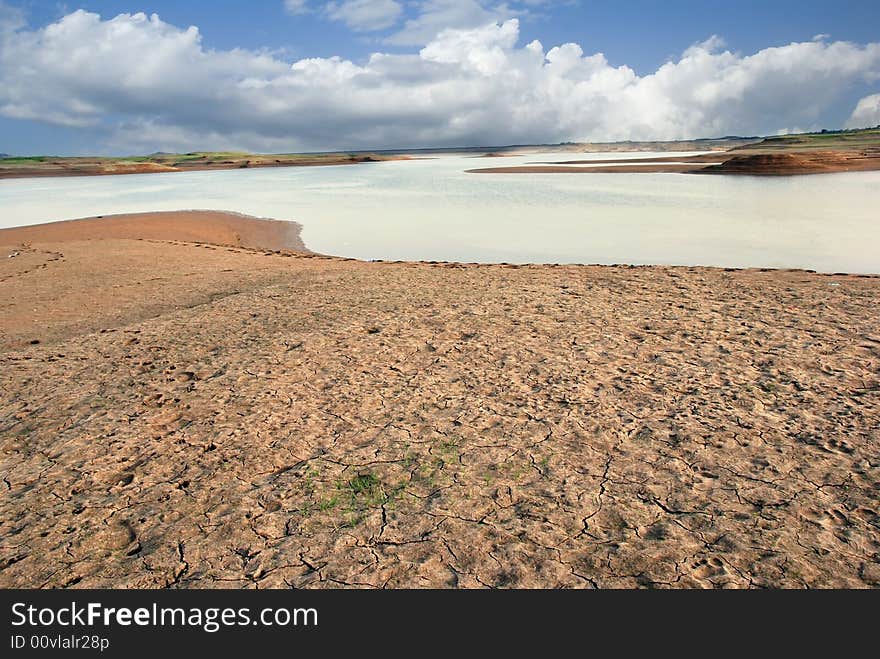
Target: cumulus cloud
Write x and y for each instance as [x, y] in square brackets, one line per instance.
[146, 83]
[483, 50]
[866, 113]
[434, 16]
[296, 7]
[427, 17]
[11, 18]
[365, 15]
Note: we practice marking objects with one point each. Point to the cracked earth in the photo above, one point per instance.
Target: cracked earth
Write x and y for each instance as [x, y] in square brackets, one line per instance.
[192, 416]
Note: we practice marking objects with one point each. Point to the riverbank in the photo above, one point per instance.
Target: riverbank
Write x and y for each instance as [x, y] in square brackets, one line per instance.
[40, 166]
[760, 164]
[178, 414]
[818, 153]
[197, 226]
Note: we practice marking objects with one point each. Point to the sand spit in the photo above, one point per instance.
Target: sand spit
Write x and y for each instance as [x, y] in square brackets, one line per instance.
[616, 169]
[215, 227]
[760, 164]
[123, 269]
[201, 416]
[787, 164]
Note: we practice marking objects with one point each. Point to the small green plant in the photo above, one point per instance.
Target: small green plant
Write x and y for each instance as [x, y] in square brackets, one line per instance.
[367, 491]
[363, 483]
[410, 460]
[352, 497]
[449, 446]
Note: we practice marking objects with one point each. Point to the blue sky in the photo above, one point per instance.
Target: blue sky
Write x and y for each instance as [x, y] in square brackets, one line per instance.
[422, 72]
[640, 33]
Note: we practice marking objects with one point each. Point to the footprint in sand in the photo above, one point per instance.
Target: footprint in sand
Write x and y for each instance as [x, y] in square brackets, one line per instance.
[709, 568]
[838, 446]
[837, 524]
[704, 479]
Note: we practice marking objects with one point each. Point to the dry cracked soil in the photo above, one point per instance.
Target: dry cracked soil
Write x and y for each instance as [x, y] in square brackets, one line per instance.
[199, 416]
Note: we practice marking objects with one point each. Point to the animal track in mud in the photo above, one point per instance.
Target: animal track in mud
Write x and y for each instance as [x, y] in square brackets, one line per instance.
[708, 568]
[24, 251]
[827, 445]
[838, 446]
[836, 519]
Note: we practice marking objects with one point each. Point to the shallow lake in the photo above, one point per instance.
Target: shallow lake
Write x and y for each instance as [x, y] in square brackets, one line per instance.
[432, 210]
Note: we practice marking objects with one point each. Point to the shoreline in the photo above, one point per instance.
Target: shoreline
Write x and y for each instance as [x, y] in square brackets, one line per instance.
[49, 167]
[732, 163]
[220, 228]
[786, 155]
[404, 424]
[234, 229]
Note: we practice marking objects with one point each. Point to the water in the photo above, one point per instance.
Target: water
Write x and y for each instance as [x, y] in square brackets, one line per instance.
[433, 210]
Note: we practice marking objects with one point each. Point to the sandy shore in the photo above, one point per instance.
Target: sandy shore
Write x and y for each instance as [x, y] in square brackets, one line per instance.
[215, 227]
[201, 416]
[761, 164]
[561, 169]
[768, 158]
[122, 271]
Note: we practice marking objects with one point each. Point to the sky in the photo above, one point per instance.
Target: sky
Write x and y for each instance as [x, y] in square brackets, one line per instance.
[119, 77]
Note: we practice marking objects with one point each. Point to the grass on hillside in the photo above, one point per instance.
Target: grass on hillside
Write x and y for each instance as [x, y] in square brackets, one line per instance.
[853, 138]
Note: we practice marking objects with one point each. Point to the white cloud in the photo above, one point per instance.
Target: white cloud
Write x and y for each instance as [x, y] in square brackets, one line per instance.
[429, 17]
[149, 84]
[296, 7]
[11, 18]
[434, 16]
[483, 50]
[866, 113]
[365, 15]
[710, 45]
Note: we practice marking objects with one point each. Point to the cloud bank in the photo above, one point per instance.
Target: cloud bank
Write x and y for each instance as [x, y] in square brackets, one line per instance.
[427, 17]
[866, 113]
[365, 15]
[151, 85]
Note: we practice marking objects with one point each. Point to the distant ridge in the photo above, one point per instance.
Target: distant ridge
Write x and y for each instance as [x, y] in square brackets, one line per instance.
[860, 147]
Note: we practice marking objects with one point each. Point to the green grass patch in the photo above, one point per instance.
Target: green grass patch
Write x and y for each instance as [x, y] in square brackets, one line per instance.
[24, 159]
[365, 491]
[352, 498]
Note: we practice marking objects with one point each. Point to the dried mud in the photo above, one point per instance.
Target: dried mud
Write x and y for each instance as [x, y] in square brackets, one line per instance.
[254, 419]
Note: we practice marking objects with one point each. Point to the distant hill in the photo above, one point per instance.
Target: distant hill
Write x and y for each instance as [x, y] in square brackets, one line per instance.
[862, 147]
[4, 155]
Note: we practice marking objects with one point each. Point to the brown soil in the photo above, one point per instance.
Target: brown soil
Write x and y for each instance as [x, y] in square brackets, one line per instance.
[787, 164]
[199, 416]
[767, 163]
[556, 169]
[702, 158]
[219, 228]
[107, 166]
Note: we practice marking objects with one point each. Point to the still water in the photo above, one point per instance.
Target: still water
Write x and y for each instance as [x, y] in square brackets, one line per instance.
[432, 210]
